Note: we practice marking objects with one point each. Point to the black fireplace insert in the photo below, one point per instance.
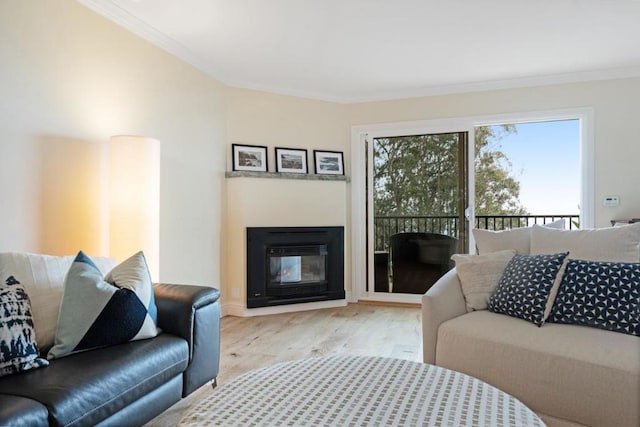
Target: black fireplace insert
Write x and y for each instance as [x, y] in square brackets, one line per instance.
[287, 265]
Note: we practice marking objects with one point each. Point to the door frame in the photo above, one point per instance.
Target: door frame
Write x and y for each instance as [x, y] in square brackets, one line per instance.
[361, 202]
[362, 197]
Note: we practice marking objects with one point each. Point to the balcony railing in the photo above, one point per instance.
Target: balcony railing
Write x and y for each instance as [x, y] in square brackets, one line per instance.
[386, 226]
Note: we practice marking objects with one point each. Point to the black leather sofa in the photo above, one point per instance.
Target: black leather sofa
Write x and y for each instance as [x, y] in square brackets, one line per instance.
[128, 384]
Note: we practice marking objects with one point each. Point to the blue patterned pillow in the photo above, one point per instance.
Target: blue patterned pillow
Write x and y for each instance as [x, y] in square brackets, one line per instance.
[525, 285]
[603, 295]
[99, 312]
[18, 347]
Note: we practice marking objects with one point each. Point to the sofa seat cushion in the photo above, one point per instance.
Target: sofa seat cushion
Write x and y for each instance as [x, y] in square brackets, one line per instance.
[19, 411]
[86, 388]
[543, 366]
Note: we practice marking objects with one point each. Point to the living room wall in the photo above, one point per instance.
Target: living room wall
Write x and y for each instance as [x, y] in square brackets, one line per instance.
[70, 80]
[615, 123]
[260, 118]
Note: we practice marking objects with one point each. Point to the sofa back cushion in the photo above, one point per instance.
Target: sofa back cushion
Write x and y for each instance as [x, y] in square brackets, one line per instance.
[42, 277]
[517, 239]
[613, 244]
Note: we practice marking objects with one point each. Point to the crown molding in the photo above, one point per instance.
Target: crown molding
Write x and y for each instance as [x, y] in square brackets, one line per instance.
[514, 83]
[121, 17]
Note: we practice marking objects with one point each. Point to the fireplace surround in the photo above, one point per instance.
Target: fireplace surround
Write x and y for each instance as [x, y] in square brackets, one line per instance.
[289, 265]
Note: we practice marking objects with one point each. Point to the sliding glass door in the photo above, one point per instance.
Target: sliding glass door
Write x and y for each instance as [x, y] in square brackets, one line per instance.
[418, 196]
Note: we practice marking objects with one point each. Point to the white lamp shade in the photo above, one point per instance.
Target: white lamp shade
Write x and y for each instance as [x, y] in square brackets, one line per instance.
[134, 199]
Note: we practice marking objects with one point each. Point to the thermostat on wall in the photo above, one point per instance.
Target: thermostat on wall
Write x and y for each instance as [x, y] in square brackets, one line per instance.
[611, 201]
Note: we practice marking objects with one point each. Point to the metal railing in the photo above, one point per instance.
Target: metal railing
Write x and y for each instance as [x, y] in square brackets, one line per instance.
[386, 226]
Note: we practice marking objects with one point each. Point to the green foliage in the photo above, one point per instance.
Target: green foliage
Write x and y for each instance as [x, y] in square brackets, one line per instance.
[497, 191]
[418, 175]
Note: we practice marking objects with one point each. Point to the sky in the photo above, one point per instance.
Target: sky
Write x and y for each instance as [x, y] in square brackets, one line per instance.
[545, 159]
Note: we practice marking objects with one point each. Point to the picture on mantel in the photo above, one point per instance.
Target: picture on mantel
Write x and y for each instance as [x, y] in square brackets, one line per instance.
[291, 160]
[329, 162]
[249, 158]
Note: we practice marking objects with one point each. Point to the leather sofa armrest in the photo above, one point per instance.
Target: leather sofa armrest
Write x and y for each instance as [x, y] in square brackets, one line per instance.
[193, 313]
[442, 302]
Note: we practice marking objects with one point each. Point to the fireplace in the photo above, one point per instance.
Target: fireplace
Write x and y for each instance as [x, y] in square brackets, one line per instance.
[288, 265]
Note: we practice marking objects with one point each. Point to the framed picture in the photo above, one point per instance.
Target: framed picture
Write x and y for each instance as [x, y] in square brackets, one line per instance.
[291, 160]
[249, 158]
[328, 162]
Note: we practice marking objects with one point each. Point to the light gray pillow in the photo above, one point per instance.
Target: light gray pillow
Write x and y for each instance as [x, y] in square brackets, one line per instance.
[518, 239]
[613, 244]
[488, 241]
[479, 276]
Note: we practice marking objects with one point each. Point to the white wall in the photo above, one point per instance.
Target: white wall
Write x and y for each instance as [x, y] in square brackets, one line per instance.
[616, 125]
[70, 79]
[260, 118]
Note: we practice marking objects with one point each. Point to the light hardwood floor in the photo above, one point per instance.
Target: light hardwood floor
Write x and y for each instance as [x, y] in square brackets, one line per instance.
[252, 342]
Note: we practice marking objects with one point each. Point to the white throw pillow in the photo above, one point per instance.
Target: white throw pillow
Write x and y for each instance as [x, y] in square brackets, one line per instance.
[613, 244]
[518, 239]
[43, 279]
[479, 276]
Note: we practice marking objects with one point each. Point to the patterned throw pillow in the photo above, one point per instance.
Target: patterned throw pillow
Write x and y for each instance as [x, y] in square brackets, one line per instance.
[96, 313]
[603, 295]
[525, 285]
[18, 347]
[42, 277]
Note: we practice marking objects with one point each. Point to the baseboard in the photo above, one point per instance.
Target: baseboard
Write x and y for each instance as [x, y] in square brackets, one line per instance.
[390, 303]
[240, 310]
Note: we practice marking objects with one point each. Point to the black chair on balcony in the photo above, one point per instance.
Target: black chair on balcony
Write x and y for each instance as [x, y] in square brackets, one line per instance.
[418, 260]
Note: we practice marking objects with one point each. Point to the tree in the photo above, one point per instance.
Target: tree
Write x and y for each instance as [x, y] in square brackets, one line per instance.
[418, 175]
[497, 191]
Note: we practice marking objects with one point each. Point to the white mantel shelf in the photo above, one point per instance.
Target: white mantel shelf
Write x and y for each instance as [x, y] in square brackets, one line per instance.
[283, 175]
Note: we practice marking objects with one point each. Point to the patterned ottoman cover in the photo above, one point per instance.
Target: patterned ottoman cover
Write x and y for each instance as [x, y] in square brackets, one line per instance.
[358, 391]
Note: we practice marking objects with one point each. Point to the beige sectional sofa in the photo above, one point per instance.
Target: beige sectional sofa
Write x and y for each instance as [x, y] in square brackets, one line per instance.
[568, 374]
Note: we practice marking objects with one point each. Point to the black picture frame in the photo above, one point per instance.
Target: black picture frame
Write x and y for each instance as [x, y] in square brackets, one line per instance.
[291, 160]
[328, 162]
[251, 158]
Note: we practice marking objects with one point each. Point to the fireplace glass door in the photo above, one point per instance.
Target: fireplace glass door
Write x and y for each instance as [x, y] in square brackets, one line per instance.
[296, 265]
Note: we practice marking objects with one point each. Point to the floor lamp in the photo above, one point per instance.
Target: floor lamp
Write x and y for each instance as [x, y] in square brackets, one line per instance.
[134, 199]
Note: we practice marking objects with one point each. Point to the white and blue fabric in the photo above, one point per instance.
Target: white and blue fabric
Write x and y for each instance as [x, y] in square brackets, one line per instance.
[604, 295]
[42, 277]
[99, 312]
[525, 286]
[18, 347]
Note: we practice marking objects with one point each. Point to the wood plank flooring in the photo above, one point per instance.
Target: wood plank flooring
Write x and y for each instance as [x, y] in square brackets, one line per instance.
[252, 342]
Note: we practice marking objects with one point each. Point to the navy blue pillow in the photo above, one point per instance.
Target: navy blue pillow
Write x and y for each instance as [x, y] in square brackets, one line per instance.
[525, 285]
[603, 295]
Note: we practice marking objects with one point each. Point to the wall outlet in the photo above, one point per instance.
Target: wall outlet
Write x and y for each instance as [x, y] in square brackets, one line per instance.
[235, 293]
[611, 201]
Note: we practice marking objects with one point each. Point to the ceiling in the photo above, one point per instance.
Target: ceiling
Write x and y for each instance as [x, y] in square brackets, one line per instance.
[363, 50]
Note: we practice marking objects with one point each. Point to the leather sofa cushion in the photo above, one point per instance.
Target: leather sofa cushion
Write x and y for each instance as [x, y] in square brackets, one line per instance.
[20, 411]
[86, 388]
[540, 366]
